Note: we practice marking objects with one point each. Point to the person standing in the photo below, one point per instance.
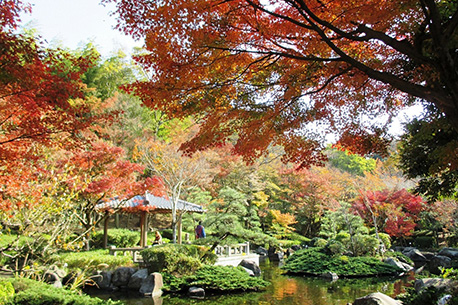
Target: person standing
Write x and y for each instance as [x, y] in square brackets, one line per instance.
[200, 231]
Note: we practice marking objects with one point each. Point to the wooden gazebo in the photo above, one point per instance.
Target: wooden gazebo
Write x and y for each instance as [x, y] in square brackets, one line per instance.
[145, 205]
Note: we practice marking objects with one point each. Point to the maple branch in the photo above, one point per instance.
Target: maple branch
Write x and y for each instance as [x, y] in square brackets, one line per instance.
[282, 54]
[287, 18]
[385, 77]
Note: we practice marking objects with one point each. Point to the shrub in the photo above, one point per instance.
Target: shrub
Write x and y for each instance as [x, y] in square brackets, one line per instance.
[425, 242]
[314, 261]
[364, 244]
[289, 243]
[343, 237]
[121, 238]
[334, 247]
[91, 259]
[29, 292]
[6, 291]
[217, 278]
[319, 242]
[176, 259]
[427, 296]
[386, 239]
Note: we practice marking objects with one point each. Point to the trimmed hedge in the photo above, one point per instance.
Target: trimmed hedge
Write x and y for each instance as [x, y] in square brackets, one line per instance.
[121, 238]
[30, 292]
[216, 279]
[91, 259]
[314, 261]
[176, 259]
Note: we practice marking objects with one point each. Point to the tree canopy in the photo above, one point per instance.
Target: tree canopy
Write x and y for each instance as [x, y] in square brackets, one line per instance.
[281, 72]
[428, 151]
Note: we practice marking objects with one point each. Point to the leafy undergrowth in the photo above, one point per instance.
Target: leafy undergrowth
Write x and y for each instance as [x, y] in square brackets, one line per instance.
[30, 292]
[314, 261]
[216, 279]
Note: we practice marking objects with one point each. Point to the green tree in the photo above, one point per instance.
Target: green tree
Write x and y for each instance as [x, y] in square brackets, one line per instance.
[352, 163]
[428, 152]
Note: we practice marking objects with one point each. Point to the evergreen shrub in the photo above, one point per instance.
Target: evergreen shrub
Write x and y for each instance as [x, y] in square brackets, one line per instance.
[425, 242]
[91, 259]
[30, 292]
[315, 261]
[216, 279]
[176, 259]
[427, 296]
[121, 238]
[6, 291]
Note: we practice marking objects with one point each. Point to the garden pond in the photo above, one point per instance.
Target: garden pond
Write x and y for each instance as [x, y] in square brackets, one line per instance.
[284, 290]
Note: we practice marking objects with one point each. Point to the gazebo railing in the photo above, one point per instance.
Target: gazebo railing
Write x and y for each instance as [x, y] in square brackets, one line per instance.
[134, 251]
[232, 250]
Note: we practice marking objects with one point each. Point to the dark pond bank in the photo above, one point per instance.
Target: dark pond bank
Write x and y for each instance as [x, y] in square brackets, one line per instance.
[285, 290]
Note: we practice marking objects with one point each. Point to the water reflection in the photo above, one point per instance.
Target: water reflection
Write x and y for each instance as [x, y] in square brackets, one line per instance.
[286, 290]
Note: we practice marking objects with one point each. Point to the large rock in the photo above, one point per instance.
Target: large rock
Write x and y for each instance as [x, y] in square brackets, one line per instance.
[401, 265]
[449, 252]
[54, 276]
[436, 282]
[415, 255]
[330, 276]
[152, 285]
[376, 299]
[121, 276]
[251, 265]
[438, 262]
[262, 251]
[103, 279]
[136, 280]
[196, 292]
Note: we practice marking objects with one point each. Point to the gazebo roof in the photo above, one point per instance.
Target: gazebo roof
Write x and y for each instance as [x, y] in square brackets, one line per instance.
[149, 203]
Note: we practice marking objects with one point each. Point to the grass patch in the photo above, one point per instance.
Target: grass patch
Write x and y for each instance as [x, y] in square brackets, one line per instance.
[314, 261]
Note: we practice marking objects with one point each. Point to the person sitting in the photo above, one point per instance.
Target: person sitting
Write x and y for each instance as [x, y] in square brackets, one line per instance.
[158, 239]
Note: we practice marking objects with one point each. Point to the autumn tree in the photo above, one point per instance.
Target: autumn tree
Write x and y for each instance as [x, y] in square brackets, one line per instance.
[395, 212]
[43, 103]
[272, 71]
[179, 173]
[100, 172]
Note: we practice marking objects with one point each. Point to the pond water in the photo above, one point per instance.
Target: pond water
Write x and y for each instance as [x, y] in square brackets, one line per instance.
[284, 290]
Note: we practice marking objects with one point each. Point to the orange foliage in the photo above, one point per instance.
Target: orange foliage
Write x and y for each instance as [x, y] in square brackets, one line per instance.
[41, 104]
[265, 70]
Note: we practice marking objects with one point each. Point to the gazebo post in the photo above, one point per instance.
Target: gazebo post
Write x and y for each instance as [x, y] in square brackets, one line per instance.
[143, 228]
[105, 230]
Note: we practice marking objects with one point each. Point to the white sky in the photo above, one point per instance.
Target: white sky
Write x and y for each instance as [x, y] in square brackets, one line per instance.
[73, 23]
